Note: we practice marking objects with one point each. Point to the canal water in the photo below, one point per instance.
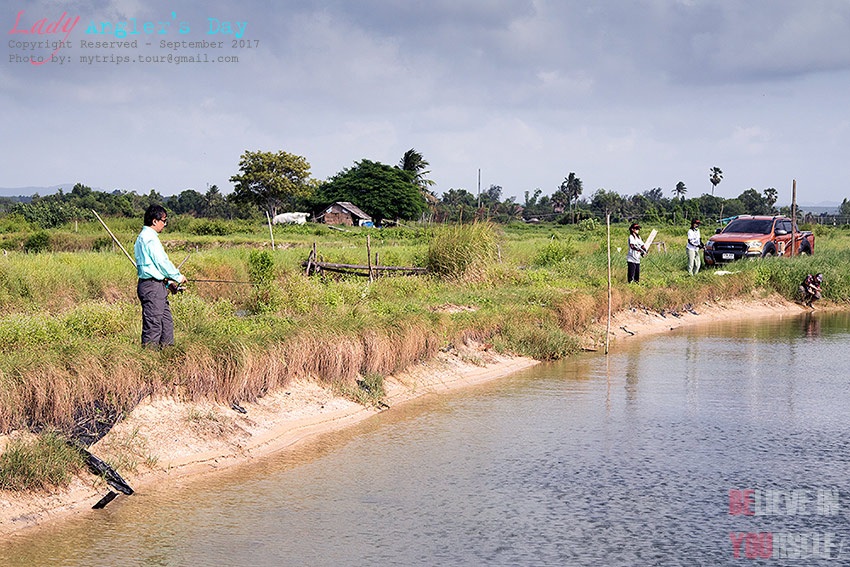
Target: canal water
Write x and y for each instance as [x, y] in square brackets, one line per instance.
[721, 445]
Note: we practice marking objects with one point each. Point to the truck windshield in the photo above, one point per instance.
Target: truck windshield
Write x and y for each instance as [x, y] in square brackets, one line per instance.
[753, 226]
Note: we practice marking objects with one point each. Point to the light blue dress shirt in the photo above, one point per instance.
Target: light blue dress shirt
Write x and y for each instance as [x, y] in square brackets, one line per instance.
[151, 259]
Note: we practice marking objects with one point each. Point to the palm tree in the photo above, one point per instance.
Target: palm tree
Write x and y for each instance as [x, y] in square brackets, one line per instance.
[715, 176]
[413, 162]
[572, 187]
[680, 190]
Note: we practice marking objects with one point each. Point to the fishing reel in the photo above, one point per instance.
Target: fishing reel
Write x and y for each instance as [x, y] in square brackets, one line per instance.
[175, 288]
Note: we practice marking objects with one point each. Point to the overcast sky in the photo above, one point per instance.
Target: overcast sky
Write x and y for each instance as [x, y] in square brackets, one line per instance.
[629, 95]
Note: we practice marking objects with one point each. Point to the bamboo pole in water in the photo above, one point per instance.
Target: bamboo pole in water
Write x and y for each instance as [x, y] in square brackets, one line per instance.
[793, 214]
[608, 325]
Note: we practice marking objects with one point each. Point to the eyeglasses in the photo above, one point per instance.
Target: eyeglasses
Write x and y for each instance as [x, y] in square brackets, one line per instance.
[163, 221]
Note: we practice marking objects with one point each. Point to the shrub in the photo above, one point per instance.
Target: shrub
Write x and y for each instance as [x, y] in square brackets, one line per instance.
[205, 227]
[265, 297]
[37, 242]
[554, 252]
[589, 225]
[48, 214]
[260, 267]
[539, 338]
[103, 244]
[95, 321]
[14, 223]
[368, 392]
[67, 241]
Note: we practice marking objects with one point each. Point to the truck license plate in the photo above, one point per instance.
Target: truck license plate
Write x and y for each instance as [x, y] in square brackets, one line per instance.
[728, 256]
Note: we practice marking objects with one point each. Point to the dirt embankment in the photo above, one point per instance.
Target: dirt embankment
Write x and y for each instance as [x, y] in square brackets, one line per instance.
[163, 438]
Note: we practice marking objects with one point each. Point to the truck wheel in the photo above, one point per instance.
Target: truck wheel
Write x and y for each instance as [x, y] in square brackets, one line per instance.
[768, 251]
[805, 249]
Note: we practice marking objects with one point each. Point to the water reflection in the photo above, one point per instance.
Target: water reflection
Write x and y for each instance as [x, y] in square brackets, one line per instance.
[624, 460]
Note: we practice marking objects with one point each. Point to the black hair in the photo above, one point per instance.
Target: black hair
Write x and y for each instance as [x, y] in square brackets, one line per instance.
[154, 212]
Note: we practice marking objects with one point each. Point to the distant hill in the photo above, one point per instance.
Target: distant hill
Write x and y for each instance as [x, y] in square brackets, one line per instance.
[30, 191]
[821, 208]
[42, 191]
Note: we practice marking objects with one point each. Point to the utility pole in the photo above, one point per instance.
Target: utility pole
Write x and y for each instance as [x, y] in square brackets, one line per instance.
[479, 187]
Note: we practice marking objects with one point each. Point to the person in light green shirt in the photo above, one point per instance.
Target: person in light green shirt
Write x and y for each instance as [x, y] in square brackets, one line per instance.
[155, 271]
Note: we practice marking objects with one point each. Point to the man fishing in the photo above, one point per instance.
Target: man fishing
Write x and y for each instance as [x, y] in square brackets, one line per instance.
[155, 272]
[810, 289]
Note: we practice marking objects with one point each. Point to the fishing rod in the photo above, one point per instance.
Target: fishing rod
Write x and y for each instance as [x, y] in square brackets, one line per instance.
[221, 281]
[114, 239]
[174, 289]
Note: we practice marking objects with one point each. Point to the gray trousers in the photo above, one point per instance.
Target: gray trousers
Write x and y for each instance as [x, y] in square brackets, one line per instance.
[157, 324]
[693, 262]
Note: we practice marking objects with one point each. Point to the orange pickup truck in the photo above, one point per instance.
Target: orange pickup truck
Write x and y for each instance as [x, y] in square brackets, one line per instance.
[756, 236]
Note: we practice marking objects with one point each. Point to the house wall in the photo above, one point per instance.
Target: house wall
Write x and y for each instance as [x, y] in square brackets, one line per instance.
[339, 218]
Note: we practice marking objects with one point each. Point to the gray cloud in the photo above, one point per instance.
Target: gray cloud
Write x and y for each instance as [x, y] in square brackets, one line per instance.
[630, 95]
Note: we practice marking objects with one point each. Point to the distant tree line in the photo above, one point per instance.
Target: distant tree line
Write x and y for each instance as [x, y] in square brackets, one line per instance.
[566, 206]
[51, 211]
[273, 182]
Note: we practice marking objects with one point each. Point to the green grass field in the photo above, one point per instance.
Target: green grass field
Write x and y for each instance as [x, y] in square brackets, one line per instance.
[70, 320]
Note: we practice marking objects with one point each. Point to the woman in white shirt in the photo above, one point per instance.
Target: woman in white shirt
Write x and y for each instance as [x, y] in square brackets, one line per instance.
[636, 250]
[694, 244]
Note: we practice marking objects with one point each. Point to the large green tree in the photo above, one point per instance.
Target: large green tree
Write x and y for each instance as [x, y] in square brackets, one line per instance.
[273, 180]
[457, 197]
[380, 190]
[456, 205]
[188, 202]
[215, 204]
[710, 206]
[754, 202]
[607, 202]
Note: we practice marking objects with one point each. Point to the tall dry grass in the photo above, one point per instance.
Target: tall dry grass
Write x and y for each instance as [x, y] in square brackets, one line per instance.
[462, 250]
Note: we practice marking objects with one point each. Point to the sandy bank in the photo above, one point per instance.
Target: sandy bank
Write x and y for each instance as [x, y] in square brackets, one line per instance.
[640, 322]
[166, 439]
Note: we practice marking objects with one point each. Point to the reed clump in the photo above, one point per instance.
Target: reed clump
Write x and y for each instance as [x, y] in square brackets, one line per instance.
[369, 390]
[38, 462]
[457, 251]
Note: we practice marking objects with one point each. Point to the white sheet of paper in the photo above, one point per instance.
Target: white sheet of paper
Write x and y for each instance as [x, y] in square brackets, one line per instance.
[650, 239]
